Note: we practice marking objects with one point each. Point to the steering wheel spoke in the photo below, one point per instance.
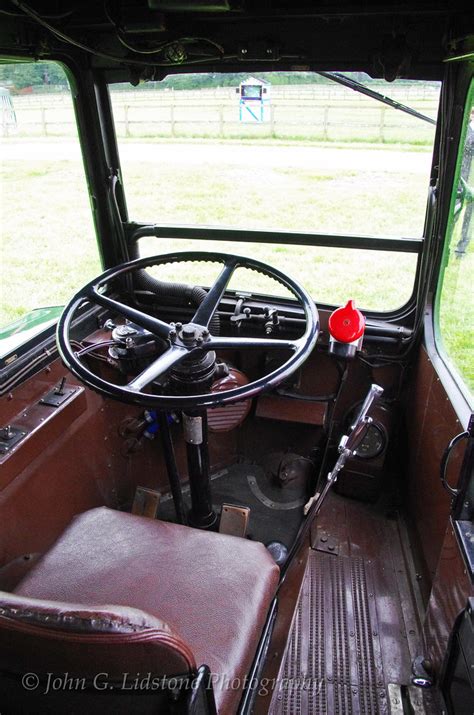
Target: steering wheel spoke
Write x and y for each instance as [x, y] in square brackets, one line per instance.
[157, 327]
[208, 307]
[225, 343]
[158, 367]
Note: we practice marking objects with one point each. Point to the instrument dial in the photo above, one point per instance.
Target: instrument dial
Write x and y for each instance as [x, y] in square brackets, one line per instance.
[373, 443]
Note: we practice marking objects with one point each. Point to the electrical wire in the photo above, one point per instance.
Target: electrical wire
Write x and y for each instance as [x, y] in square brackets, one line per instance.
[96, 346]
[162, 46]
[60, 35]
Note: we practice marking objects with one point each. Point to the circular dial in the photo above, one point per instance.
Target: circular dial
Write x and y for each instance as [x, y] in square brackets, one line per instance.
[373, 443]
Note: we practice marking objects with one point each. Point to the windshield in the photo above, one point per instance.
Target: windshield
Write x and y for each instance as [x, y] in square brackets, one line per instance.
[283, 152]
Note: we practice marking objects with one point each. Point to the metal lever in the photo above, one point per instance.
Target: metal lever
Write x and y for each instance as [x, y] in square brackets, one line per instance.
[349, 443]
[445, 460]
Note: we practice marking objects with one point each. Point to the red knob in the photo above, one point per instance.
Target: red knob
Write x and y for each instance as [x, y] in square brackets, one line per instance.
[347, 323]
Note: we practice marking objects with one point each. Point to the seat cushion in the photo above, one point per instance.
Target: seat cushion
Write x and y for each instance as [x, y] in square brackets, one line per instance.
[213, 590]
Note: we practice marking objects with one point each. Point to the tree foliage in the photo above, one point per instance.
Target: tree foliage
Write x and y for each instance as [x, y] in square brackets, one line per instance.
[19, 75]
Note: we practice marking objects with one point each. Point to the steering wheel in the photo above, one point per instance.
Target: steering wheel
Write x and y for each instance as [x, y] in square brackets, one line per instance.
[189, 340]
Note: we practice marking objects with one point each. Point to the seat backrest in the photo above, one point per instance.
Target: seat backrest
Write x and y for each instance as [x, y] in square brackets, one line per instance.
[87, 642]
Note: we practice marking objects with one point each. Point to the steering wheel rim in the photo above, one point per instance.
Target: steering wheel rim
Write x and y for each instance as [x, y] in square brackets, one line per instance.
[132, 393]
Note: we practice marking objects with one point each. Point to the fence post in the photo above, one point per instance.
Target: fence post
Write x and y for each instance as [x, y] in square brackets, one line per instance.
[125, 120]
[382, 124]
[272, 121]
[43, 122]
[4, 122]
[221, 121]
[325, 122]
[173, 133]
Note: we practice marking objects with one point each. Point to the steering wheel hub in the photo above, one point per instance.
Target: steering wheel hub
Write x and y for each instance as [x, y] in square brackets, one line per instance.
[192, 335]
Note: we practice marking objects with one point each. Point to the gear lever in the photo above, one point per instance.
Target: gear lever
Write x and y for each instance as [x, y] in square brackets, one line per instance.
[348, 445]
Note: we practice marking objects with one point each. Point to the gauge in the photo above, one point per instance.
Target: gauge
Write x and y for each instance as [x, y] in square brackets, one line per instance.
[373, 443]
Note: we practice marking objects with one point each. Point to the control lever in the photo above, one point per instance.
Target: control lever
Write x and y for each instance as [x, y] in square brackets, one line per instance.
[349, 444]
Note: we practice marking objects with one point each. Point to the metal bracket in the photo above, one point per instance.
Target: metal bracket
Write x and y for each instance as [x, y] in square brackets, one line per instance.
[58, 395]
[9, 437]
[327, 544]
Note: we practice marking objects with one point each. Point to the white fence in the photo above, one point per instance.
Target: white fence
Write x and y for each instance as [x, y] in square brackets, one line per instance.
[304, 112]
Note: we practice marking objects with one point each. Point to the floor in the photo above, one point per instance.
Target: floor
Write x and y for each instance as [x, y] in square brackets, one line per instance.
[355, 631]
[275, 513]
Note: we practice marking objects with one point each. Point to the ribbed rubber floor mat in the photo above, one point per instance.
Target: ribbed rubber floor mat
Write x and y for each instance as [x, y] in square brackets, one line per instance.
[333, 663]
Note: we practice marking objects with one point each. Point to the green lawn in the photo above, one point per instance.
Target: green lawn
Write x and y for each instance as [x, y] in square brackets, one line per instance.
[49, 249]
[457, 308]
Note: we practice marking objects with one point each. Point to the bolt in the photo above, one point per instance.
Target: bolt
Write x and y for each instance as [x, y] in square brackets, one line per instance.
[205, 333]
[199, 340]
[188, 332]
[179, 326]
[6, 433]
[172, 334]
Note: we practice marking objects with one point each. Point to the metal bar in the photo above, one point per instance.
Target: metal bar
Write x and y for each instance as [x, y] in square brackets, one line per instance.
[171, 466]
[208, 233]
[208, 307]
[163, 363]
[358, 87]
[253, 680]
[202, 701]
[154, 325]
[202, 515]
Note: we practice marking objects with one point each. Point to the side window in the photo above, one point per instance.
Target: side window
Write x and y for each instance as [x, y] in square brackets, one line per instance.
[48, 240]
[456, 291]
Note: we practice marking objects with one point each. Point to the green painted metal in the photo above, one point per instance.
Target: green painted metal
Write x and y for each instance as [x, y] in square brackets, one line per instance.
[26, 327]
[449, 231]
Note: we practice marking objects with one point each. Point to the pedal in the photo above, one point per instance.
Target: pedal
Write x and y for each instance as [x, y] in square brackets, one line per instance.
[146, 502]
[234, 520]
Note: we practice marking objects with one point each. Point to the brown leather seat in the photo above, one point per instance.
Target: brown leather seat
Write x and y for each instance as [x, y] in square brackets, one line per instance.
[202, 598]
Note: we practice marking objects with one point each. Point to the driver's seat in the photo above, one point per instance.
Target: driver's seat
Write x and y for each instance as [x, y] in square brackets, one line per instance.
[180, 598]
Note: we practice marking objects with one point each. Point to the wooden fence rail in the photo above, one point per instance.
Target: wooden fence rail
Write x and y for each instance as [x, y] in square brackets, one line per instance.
[177, 119]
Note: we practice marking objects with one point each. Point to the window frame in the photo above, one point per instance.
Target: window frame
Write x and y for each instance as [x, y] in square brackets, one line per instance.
[455, 384]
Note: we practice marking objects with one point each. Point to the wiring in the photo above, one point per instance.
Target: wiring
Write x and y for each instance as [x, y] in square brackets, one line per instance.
[60, 35]
[161, 47]
[96, 346]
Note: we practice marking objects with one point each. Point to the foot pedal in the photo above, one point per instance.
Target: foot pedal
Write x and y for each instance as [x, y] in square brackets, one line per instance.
[146, 502]
[234, 520]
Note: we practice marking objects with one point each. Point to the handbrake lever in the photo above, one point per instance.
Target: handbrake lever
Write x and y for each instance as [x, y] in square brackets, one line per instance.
[348, 444]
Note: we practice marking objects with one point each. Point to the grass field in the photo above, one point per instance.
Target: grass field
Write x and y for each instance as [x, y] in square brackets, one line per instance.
[52, 250]
[49, 249]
